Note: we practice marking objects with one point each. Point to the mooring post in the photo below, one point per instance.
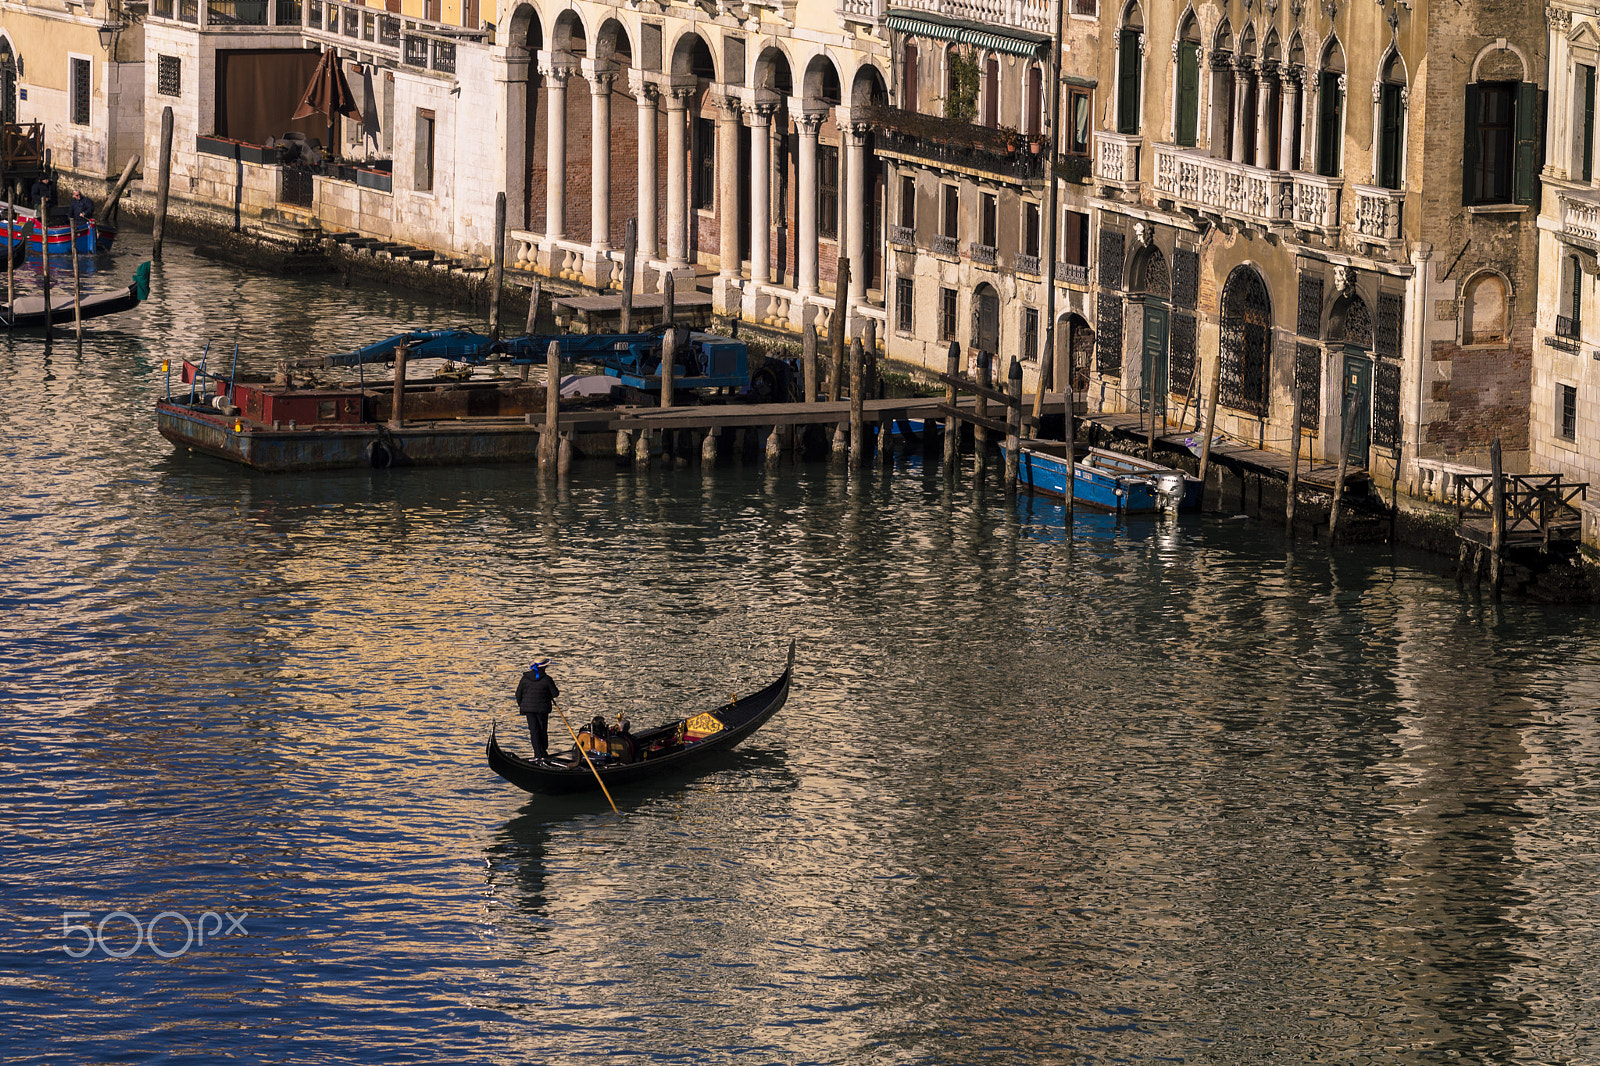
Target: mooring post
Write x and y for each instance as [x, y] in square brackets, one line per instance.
[708, 447]
[497, 272]
[548, 447]
[669, 356]
[1294, 463]
[774, 447]
[858, 445]
[952, 427]
[11, 234]
[1071, 433]
[397, 402]
[527, 331]
[808, 363]
[980, 406]
[1497, 521]
[1211, 426]
[77, 278]
[641, 449]
[563, 456]
[669, 298]
[163, 184]
[44, 231]
[1353, 404]
[838, 324]
[1013, 424]
[630, 243]
[869, 345]
[624, 445]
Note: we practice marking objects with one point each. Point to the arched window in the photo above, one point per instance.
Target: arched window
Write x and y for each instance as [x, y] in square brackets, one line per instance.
[1502, 130]
[1130, 61]
[8, 83]
[1222, 90]
[991, 90]
[1187, 73]
[1034, 106]
[908, 75]
[1246, 356]
[1485, 308]
[1330, 111]
[1391, 122]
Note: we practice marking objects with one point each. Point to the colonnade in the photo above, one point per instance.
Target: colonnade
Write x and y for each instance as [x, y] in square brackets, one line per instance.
[1268, 78]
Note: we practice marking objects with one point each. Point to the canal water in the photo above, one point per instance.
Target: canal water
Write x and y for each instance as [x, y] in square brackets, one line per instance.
[1164, 791]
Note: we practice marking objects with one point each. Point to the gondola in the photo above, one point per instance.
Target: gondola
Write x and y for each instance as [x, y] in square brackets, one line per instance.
[19, 248]
[624, 759]
[29, 311]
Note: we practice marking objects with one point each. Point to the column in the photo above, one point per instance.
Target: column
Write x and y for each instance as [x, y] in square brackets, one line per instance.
[1241, 73]
[555, 157]
[600, 158]
[511, 84]
[728, 108]
[1263, 149]
[805, 188]
[855, 193]
[1288, 120]
[761, 193]
[645, 93]
[1308, 139]
[678, 177]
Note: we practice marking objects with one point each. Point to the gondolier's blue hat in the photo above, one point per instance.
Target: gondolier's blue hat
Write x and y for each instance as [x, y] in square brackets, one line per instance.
[538, 665]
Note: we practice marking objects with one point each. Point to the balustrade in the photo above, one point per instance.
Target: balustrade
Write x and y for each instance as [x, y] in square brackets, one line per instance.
[1378, 212]
[1580, 215]
[1034, 16]
[939, 244]
[1116, 158]
[982, 253]
[906, 235]
[1249, 193]
[1023, 263]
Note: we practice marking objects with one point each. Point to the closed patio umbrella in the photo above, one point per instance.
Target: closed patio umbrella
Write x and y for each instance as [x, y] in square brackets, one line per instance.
[329, 94]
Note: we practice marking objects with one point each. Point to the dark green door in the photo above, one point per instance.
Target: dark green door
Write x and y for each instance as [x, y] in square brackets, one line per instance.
[1358, 390]
[1156, 373]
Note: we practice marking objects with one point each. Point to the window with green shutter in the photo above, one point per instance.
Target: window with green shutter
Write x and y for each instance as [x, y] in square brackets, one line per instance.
[1330, 123]
[1586, 130]
[1128, 103]
[1188, 92]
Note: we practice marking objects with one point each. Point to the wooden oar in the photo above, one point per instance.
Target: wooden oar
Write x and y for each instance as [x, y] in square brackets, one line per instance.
[585, 753]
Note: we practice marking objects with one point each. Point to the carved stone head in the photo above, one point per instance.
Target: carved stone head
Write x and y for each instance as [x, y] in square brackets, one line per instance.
[1341, 278]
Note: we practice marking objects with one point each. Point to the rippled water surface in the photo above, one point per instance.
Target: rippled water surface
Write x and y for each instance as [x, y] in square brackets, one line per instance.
[1172, 792]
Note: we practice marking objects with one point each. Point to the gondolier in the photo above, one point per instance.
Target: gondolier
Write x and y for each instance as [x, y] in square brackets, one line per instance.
[535, 693]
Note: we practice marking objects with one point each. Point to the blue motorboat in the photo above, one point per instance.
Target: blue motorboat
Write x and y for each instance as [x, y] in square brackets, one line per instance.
[1105, 479]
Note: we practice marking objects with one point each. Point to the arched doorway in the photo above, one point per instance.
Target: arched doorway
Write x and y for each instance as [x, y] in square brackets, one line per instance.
[1246, 356]
[1350, 329]
[986, 319]
[1150, 277]
[8, 82]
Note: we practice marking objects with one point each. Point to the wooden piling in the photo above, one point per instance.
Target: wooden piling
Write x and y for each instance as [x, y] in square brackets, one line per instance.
[669, 356]
[548, 447]
[1211, 426]
[980, 407]
[858, 445]
[11, 228]
[44, 233]
[497, 271]
[641, 449]
[563, 456]
[1294, 464]
[624, 444]
[669, 299]
[708, 447]
[774, 447]
[837, 325]
[163, 184]
[1497, 521]
[630, 244]
[952, 428]
[397, 404]
[77, 279]
[808, 363]
[1071, 434]
[108, 213]
[1353, 404]
[1013, 425]
[873, 381]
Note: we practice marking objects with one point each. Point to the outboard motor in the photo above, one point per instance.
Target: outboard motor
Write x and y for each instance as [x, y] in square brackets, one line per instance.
[1170, 490]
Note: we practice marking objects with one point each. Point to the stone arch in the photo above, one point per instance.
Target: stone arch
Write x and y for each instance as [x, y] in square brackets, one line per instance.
[773, 71]
[1222, 40]
[1296, 56]
[692, 55]
[568, 34]
[1350, 322]
[1486, 302]
[1132, 17]
[8, 80]
[868, 86]
[1247, 42]
[821, 80]
[613, 44]
[1333, 55]
[985, 319]
[1247, 331]
[1488, 50]
[524, 29]
[1075, 341]
[1272, 47]
[1148, 273]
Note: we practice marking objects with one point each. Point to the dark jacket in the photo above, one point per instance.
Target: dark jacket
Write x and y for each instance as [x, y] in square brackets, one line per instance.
[82, 207]
[535, 692]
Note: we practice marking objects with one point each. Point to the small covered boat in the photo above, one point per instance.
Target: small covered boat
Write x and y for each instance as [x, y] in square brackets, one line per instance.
[1105, 479]
[625, 757]
[56, 238]
[29, 311]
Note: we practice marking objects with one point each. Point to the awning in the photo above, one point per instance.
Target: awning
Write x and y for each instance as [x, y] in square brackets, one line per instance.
[992, 38]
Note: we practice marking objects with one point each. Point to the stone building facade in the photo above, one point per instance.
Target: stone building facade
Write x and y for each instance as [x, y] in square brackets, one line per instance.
[1332, 201]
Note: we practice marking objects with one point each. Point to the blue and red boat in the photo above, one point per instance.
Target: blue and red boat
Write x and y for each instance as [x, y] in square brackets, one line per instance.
[1107, 480]
[93, 237]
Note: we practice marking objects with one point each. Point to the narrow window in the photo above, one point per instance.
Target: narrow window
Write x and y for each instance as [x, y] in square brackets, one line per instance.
[904, 291]
[80, 92]
[1128, 103]
[425, 138]
[1031, 124]
[1188, 92]
[947, 314]
[987, 221]
[991, 91]
[949, 223]
[828, 190]
[705, 164]
[1330, 123]
[169, 75]
[1586, 122]
[1030, 334]
[1030, 229]
[908, 201]
[1077, 239]
[1391, 124]
[1569, 412]
[908, 75]
[1078, 112]
[1575, 297]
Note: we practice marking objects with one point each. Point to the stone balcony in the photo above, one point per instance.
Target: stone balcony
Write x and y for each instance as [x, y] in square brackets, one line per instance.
[1034, 16]
[1116, 160]
[1378, 216]
[1579, 216]
[1270, 199]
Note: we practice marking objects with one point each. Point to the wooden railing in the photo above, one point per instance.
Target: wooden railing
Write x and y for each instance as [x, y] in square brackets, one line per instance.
[1533, 502]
